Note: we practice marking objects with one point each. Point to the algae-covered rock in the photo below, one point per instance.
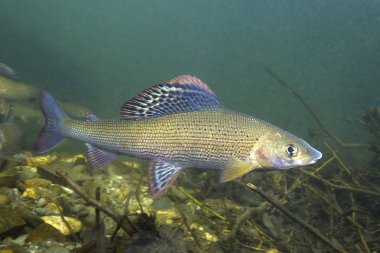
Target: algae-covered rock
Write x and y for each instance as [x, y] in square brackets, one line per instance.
[40, 160]
[8, 180]
[41, 202]
[31, 193]
[57, 250]
[4, 199]
[36, 192]
[12, 248]
[37, 182]
[43, 232]
[52, 208]
[26, 172]
[66, 227]
[10, 219]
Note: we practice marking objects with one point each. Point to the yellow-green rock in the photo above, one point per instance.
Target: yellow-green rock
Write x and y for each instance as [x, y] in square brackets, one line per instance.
[31, 193]
[272, 251]
[67, 227]
[4, 199]
[37, 182]
[52, 208]
[43, 232]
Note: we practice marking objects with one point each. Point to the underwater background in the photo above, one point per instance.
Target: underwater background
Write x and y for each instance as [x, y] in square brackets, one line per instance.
[99, 54]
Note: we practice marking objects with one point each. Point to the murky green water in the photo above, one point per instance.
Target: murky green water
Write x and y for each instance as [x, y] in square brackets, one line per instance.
[101, 53]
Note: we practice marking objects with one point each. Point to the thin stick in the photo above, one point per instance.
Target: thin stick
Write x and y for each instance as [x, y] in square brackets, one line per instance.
[341, 187]
[200, 204]
[117, 218]
[336, 246]
[138, 193]
[246, 215]
[174, 200]
[314, 115]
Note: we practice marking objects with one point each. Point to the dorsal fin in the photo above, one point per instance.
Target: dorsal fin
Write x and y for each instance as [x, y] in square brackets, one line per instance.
[8, 72]
[181, 94]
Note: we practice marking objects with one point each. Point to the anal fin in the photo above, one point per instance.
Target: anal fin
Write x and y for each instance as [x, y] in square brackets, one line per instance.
[234, 169]
[97, 157]
[161, 176]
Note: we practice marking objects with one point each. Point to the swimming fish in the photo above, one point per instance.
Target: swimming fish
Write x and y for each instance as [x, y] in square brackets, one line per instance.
[75, 110]
[178, 124]
[10, 136]
[11, 87]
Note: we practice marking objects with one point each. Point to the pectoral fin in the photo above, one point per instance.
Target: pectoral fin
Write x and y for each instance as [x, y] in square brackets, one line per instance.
[235, 168]
[161, 176]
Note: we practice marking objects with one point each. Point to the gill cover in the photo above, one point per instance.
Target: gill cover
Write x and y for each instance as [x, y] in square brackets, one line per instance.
[283, 150]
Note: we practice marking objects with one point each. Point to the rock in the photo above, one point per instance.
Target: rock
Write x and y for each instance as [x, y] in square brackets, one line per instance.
[41, 211]
[77, 208]
[30, 217]
[4, 199]
[57, 190]
[40, 160]
[36, 192]
[79, 168]
[61, 226]
[26, 172]
[13, 194]
[12, 248]
[52, 208]
[83, 213]
[41, 202]
[8, 180]
[45, 231]
[57, 250]
[37, 182]
[10, 219]
[21, 239]
[31, 193]
[168, 216]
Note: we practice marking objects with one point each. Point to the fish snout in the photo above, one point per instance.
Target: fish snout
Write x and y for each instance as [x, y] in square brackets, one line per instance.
[316, 155]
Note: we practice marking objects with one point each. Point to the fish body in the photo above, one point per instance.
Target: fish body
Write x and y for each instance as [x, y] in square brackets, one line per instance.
[179, 124]
[10, 136]
[11, 87]
[75, 110]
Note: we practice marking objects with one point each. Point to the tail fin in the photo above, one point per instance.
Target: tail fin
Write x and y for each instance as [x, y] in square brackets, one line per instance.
[51, 134]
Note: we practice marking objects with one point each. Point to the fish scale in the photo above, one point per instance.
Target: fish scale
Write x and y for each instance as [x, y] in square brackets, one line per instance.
[207, 138]
[178, 124]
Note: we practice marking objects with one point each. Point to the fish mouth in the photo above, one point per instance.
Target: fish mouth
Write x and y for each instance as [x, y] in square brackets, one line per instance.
[316, 156]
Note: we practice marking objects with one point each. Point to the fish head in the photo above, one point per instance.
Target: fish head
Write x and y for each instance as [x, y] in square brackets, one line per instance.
[283, 150]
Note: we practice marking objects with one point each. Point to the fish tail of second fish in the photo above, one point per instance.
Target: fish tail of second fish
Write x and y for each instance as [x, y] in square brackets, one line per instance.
[51, 134]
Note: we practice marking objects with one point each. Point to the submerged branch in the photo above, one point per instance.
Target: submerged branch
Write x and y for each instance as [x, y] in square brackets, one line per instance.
[117, 218]
[334, 245]
[314, 115]
[342, 187]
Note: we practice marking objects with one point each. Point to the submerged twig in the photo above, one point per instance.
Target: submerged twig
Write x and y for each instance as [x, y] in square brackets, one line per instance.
[314, 115]
[246, 215]
[200, 204]
[334, 245]
[138, 193]
[174, 201]
[341, 187]
[116, 217]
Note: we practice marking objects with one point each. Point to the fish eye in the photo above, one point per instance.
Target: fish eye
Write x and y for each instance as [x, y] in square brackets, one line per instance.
[291, 150]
